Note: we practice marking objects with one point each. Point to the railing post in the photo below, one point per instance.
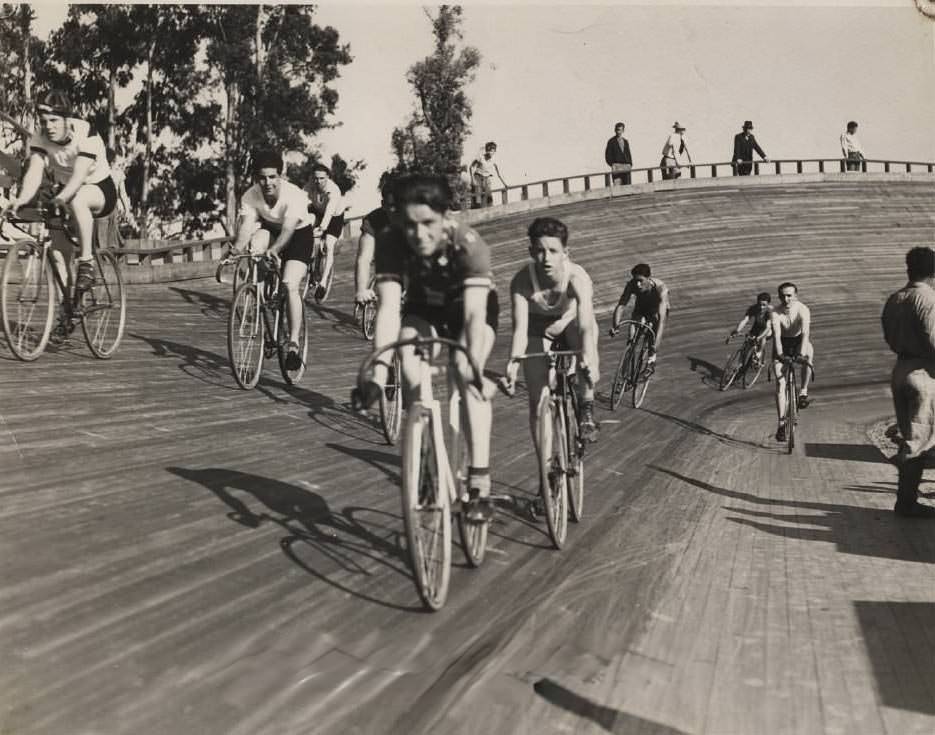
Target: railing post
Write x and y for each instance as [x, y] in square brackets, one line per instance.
[649, 175]
[587, 183]
[930, 168]
[798, 167]
[821, 166]
[691, 170]
[565, 187]
[504, 198]
[843, 166]
[756, 168]
[908, 168]
[606, 179]
[545, 189]
[713, 171]
[886, 167]
[524, 193]
[778, 168]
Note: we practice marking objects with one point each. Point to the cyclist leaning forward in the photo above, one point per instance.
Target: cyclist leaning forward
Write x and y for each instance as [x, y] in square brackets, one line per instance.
[791, 324]
[758, 315]
[552, 300]
[77, 159]
[651, 305]
[375, 221]
[276, 208]
[445, 268]
[326, 202]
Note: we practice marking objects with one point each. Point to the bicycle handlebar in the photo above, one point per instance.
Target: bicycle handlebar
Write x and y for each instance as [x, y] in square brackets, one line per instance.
[421, 342]
[640, 325]
[510, 389]
[799, 360]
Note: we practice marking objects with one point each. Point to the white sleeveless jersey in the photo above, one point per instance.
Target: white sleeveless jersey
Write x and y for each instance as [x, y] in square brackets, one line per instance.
[556, 301]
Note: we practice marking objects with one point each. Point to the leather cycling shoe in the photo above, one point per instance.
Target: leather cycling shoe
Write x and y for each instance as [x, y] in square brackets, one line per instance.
[803, 400]
[781, 433]
[293, 359]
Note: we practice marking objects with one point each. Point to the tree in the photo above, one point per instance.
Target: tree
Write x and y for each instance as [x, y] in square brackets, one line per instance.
[432, 141]
[19, 53]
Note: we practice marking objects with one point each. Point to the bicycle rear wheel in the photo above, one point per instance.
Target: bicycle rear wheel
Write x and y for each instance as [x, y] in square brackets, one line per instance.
[731, 368]
[291, 376]
[641, 369]
[245, 332]
[575, 453]
[553, 465]
[791, 412]
[391, 404]
[27, 300]
[751, 373]
[426, 510]
[369, 320]
[322, 285]
[473, 533]
[104, 307]
[619, 384]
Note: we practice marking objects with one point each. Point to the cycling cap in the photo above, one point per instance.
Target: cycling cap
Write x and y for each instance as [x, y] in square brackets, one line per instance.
[55, 102]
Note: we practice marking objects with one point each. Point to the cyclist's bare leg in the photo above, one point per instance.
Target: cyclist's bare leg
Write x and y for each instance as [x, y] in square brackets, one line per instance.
[62, 251]
[478, 408]
[410, 364]
[84, 205]
[536, 374]
[808, 353]
[259, 242]
[293, 278]
[584, 388]
[330, 242]
[780, 391]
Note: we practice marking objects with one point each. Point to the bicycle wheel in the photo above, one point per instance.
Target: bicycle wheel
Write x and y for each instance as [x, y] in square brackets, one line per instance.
[426, 510]
[751, 373]
[27, 300]
[245, 332]
[553, 465]
[322, 285]
[731, 368]
[291, 376]
[241, 273]
[575, 453]
[369, 320]
[641, 370]
[619, 384]
[391, 404]
[473, 533]
[791, 412]
[104, 307]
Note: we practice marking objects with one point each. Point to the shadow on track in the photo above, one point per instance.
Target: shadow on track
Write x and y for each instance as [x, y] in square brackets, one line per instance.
[705, 431]
[344, 540]
[712, 373]
[211, 306]
[853, 529]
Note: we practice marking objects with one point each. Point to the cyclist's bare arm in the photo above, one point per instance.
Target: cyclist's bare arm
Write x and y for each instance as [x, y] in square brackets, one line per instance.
[248, 224]
[740, 325]
[475, 322]
[365, 249]
[520, 317]
[806, 333]
[776, 326]
[386, 331]
[583, 291]
[32, 180]
[619, 310]
[285, 234]
[663, 314]
[330, 211]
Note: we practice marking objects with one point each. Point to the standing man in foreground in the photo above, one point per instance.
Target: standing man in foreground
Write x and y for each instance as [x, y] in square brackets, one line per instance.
[617, 155]
[744, 145]
[909, 330]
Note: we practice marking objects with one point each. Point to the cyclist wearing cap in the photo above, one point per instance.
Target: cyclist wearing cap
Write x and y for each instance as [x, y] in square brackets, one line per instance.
[759, 315]
[791, 325]
[76, 158]
[445, 267]
[276, 208]
[552, 300]
[374, 222]
[651, 305]
[326, 202]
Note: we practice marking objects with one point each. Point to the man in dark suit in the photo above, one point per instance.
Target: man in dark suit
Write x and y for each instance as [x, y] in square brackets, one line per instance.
[617, 155]
[744, 145]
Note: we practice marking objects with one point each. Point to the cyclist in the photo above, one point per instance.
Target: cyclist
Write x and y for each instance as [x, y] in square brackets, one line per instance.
[326, 202]
[76, 157]
[759, 313]
[552, 300]
[651, 305]
[790, 322]
[373, 223]
[445, 266]
[276, 208]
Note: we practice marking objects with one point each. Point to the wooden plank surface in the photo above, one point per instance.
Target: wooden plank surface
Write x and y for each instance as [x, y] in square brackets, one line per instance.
[177, 555]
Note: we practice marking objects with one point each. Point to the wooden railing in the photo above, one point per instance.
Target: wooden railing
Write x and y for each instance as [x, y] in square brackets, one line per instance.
[181, 251]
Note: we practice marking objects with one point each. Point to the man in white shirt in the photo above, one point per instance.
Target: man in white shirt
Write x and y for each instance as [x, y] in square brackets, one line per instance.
[791, 324]
[851, 149]
[326, 202]
[674, 145]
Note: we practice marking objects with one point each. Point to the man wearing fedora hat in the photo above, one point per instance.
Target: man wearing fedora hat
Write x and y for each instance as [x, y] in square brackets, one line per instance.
[674, 145]
[744, 145]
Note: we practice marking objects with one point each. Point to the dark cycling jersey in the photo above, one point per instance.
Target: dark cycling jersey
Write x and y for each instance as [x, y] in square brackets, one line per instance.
[374, 222]
[647, 302]
[759, 321]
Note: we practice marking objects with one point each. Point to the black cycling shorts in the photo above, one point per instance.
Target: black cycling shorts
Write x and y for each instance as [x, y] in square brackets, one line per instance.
[791, 346]
[301, 245]
[448, 320]
[109, 189]
[336, 226]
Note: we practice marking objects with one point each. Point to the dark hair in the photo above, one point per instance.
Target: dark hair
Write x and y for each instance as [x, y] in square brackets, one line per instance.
[428, 189]
[764, 296]
[548, 227]
[787, 284]
[321, 167]
[920, 263]
[618, 126]
[851, 125]
[56, 102]
[267, 158]
[490, 146]
[641, 269]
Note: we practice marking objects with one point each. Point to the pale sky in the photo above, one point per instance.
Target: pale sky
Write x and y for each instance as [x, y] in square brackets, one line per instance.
[556, 77]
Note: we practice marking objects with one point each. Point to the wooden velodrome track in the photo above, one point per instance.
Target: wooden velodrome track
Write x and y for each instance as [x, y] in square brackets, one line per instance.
[180, 556]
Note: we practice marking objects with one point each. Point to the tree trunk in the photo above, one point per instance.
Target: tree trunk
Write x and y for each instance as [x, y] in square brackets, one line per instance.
[26, 116]
[230, 153]
[148, 155]
[111, 114]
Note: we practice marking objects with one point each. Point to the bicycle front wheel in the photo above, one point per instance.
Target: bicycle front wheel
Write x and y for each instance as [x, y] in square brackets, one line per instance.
[619, 384]
[426, 510]
[473, 533]
[642, 370]
[731, 368]
[751, 373]
[575, 454]
[245, 332]
[104, 307]
[391, 404]
[791, 413]
[553, 466]
[369, 319]
[285, 331]
[27, 300]
[242, 273]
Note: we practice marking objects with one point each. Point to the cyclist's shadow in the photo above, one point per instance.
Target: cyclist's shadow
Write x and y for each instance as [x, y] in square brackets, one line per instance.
[712, 373]
[343, 540]
[211, 305]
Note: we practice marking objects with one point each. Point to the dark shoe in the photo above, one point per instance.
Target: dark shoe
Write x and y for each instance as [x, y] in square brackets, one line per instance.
[293, 359]
[85, 279]
[913, 510]
[478, 509]
[781, 433]
[320, 293]
[588, 428]
[803, 400]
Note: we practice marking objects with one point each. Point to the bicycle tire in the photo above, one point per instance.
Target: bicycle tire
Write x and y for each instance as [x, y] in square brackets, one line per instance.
[619, 385]
[641, 373]
[791, 409]
[731, 368]
[242, 273]
[104, 307]
[391, 404]
[245, 336]
[575, 452]
[27, 300]
[291, 376]
[553, 464]
[473, 533]
[318, 263]
[426, 510]
[751, 374]
[369, 320]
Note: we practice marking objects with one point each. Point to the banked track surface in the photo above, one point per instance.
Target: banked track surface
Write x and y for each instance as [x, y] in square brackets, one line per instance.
[180, 556]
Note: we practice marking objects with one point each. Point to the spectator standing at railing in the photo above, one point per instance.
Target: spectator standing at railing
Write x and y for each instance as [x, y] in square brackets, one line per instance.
[617, 155]
[744, 145]
[851, 148]
[482, 171]
[674, 146]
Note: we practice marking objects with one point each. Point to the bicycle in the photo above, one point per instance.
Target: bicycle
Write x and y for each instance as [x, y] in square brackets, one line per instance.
[35, 279]
[316, 268]
[743, 363]
[258, 326]
[792, 406]
[434, 484]
[365, 314]
[634, 370]
[559, 446]
[391, 404]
